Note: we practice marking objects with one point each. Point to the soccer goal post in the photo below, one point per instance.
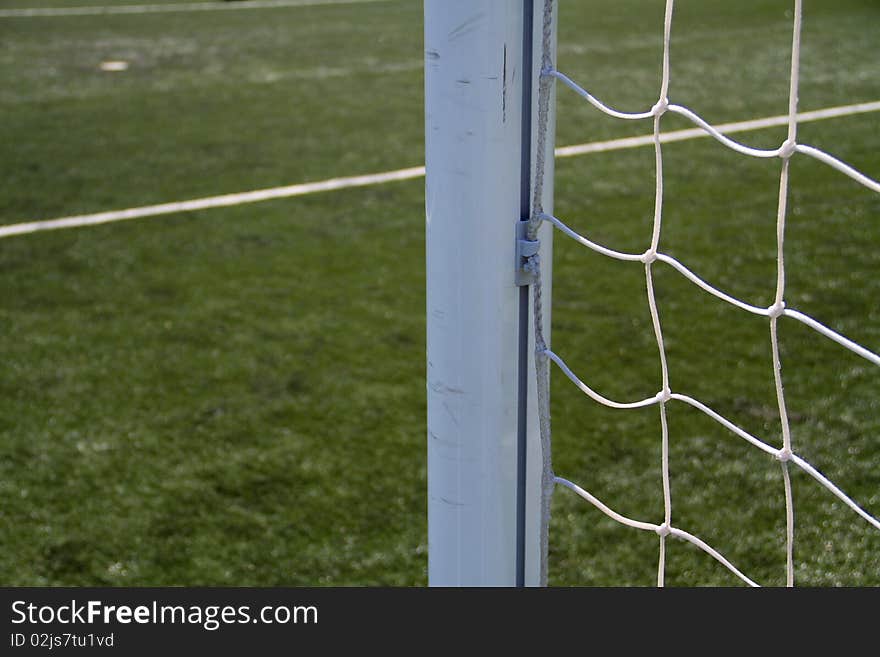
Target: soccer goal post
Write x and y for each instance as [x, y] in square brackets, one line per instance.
[483, 60]
[490, 77]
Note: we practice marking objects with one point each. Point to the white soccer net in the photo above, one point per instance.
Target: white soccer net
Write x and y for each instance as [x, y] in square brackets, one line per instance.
[787, 454]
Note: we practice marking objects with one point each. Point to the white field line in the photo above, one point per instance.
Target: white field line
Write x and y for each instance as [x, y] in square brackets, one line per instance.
[177, 7]
[406, 174]
[213, 201]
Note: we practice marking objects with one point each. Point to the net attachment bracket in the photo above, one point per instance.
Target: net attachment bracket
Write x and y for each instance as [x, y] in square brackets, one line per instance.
[525, 249]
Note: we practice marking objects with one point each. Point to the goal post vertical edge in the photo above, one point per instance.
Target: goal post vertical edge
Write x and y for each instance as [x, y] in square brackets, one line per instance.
[474, 147]
[533, 548]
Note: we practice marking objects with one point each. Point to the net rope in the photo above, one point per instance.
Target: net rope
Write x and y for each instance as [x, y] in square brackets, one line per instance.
[785, 455]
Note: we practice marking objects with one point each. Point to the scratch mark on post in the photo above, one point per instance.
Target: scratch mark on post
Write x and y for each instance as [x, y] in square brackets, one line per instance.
[451, 414]
[504, 87]
[442, 441]
[443, 389]
[466, 27]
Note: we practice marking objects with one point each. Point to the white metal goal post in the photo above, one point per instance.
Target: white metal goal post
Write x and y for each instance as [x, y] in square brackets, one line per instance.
[489, 76]
[482, 65]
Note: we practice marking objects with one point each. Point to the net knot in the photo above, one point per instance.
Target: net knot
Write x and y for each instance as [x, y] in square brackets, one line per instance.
[776, 310]
[787, 149]
[660, 107]
[663, 530]
[663, 396]
[784, 455]
[649, 256]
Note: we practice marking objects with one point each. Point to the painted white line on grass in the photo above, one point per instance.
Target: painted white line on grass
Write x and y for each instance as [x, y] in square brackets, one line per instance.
[178, 7]
[213, 201]
[406, 174]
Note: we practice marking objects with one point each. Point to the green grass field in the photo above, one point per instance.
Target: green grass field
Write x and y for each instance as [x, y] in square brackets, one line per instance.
[237, 396]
